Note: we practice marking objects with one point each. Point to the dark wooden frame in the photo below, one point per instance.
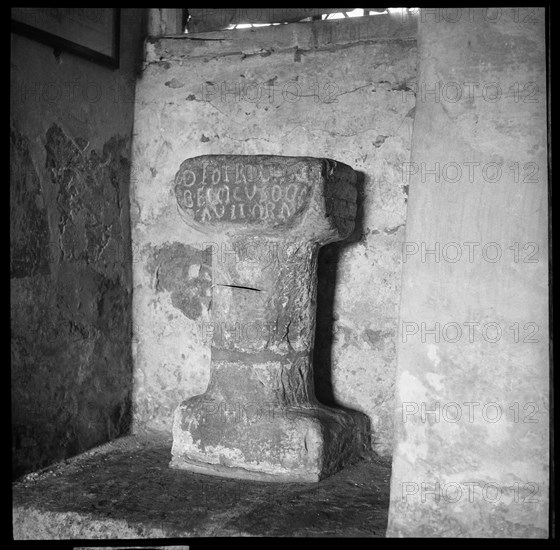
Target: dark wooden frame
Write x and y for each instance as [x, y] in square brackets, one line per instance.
[59, 43]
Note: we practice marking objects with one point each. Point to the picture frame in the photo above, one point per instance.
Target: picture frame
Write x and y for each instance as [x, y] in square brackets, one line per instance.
[91, 33]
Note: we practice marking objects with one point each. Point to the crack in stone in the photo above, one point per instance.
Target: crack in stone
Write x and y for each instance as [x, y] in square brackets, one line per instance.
[243, 287]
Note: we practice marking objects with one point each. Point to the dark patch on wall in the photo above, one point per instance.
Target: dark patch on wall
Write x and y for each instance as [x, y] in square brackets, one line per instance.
[71, 330]
[405, 191]
[375, 338]
[29, 228]
[174, 83]
[392, 230]
[402, 87]
[89, 196]
[379, 141]
[186, 272]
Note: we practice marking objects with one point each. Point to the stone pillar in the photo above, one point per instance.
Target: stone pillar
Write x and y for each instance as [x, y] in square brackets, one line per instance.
[471, 455]
[259, 419]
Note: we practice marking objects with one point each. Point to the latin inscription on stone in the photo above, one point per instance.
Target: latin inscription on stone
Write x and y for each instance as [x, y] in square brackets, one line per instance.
[270, 192]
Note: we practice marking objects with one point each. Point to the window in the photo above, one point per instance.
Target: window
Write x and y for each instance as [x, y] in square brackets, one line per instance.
[205, 20]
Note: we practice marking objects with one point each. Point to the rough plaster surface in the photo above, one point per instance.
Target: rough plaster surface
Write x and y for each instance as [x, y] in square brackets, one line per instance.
[126, 490]
[71, 124]
[471, 452]
[337, 90]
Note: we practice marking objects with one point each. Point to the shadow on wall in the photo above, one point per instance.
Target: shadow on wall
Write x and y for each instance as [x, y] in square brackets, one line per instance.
[325, 332]
[70, 264]
[70, 246]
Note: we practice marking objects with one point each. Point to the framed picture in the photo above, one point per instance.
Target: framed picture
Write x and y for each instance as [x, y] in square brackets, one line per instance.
[93, 33]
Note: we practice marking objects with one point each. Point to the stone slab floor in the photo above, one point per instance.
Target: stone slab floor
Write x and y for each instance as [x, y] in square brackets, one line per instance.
[125, 490]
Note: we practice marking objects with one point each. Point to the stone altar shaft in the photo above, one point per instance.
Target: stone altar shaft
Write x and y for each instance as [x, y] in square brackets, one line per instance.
[259, 417]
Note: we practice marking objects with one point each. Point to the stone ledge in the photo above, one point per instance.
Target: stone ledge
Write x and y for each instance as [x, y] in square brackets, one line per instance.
[264, 41]
[126, 490]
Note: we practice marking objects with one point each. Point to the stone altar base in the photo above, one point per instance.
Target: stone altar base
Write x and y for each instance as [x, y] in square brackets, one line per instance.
[288, 444]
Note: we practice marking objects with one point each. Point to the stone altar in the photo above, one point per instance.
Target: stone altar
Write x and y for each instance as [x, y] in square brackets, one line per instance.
[267, 217]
